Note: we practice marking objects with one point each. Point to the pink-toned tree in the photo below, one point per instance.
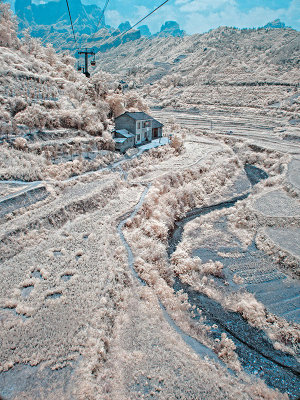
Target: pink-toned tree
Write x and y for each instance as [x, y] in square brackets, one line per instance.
[8, 27]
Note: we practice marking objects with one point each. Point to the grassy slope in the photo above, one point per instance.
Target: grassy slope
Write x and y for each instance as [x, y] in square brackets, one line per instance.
[215, 68]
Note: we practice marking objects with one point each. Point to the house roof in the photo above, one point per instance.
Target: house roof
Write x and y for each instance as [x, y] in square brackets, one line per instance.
[120, 140]
[139, 116]
[125, 133]
[142, 116]
[156, 124]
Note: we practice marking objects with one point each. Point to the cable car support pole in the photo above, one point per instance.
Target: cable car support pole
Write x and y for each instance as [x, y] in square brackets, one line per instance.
[86, 53]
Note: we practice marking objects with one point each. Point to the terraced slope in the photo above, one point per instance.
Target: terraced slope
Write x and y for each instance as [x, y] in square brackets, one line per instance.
[224, 67]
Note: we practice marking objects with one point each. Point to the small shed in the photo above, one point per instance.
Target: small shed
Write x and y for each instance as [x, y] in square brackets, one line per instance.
[123, 140]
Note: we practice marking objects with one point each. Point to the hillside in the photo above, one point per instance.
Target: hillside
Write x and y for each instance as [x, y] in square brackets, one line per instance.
[41, 91]
[224, 67]
[170, 271]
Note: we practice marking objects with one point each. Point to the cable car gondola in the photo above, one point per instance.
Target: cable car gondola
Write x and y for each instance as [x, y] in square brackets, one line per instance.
[86, 53]
[93, 62]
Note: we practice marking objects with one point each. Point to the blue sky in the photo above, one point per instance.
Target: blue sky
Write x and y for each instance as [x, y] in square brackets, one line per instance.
[201, 15]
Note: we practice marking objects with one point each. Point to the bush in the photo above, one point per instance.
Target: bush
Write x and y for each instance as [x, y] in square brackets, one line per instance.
[177, 144]
[20, 143]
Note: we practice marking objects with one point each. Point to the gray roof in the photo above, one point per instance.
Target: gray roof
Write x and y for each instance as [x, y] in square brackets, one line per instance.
[142, 116]
[120, 140]
[139, 116]
[125, 133]
[156, 124]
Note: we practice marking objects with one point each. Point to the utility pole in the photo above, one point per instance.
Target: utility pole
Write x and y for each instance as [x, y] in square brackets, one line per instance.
[86, 59]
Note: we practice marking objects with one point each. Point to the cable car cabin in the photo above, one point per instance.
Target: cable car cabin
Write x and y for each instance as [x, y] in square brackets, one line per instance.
[93, 62]
[79, 68]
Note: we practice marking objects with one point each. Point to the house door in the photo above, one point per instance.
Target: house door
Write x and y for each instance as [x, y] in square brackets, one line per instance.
[155, 133]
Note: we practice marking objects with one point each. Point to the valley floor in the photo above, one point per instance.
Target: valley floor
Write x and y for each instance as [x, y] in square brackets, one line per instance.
[89, 307]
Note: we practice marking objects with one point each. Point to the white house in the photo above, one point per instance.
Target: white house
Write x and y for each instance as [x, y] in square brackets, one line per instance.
[141, 125]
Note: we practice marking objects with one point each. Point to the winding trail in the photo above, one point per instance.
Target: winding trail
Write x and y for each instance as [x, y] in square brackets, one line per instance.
[117, 166]
[197, 347]
[26, 186]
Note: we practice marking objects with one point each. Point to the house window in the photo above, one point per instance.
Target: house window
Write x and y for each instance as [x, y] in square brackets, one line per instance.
[138, 125]
[138, 138]
[146, 124]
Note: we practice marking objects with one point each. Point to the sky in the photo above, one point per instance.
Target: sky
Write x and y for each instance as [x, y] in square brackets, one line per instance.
[198, 16]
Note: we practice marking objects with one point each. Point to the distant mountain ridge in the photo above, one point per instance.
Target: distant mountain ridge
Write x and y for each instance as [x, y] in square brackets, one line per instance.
[50, 22]
[55, 14]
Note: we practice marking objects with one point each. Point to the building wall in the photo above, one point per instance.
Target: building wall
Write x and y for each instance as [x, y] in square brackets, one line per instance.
[122, 147]
[125, 122]
[136, 127]
[144, 132]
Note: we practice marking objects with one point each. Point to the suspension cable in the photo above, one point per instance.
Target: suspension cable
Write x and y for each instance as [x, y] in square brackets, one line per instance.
[103, 11]
[147, 16]
[137, 23]
[99, 22]
[72, 25]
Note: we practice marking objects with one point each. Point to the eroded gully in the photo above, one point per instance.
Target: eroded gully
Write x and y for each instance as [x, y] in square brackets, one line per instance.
[254, 349]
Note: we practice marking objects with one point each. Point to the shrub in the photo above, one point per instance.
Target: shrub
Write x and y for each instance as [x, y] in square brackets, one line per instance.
[177, 143]
[20, 143]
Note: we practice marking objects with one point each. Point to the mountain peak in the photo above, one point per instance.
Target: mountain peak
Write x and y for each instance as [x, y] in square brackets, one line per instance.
[170, 28]
[275, 24]
[145, 31]
[124, 26]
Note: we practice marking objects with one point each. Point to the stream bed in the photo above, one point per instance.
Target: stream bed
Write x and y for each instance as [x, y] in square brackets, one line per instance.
[254, 349]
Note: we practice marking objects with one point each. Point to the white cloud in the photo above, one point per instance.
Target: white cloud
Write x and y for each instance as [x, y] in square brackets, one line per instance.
[155, 21]
[202, 5]
[221, 13]
[167, 13]
[113, 18]
[141, 11]
[292, 15]
[230, 16]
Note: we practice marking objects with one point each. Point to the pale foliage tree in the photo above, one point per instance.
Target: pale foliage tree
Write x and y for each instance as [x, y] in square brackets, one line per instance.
[8, 27]
[50, 54]
[117, 104]
[31, 45]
